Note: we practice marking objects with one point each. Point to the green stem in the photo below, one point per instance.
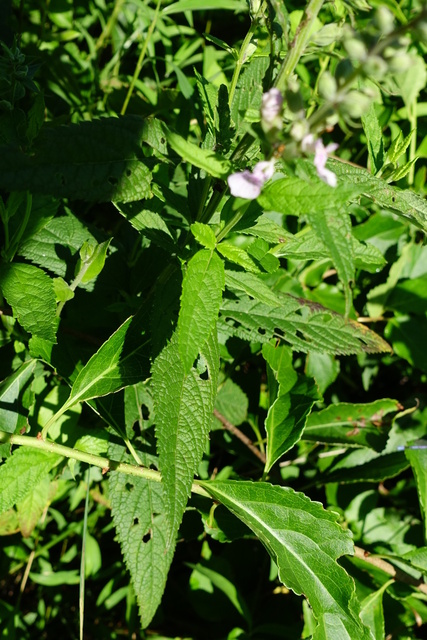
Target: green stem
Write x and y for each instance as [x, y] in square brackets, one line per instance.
[106, 32]
[141, 58]
[97, 461]
[234, 220]
[242, 56]
[298, 44]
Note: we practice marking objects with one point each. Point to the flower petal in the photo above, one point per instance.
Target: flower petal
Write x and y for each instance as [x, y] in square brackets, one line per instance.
[244, 185]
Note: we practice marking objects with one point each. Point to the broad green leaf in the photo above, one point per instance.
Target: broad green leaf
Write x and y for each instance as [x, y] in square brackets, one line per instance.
[202, 5]
[13, 402]
[354, 425]
[304, 541]
[204, 235]
[334, 229]
[232, 402]
[24, 470]
[31, 294]
[365, 465]
[305, 326]
[404, 202]
[373, 132]
[201, 297]
[237, 255]
[418, 461]
[138, 510]
[323, 367]
[372, 612]
[403, 332]
[65, 231]
[32, 506]
[251, 284]
[214, 164]
[297, 197]
[289, 407]
[121, 361]
[184, 403]
[100, 160]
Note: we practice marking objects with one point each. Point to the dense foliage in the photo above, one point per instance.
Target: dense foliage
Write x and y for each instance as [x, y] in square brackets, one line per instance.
[212, 339]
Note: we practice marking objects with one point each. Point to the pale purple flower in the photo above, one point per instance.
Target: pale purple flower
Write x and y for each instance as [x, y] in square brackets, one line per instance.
[310, 145]
[247, 184]
[271, 106]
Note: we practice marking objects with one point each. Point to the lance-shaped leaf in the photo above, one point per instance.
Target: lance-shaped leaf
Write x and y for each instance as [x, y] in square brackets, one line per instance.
[183, 402]
[306, 326]
[121, 361]
[201, 297]
[214, 164]
[140, 519]
[289, 407]
[30, 293]
[353, 425]
[305, 541]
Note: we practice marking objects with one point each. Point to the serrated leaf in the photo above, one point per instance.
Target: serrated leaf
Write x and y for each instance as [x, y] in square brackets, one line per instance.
[139, 517]
[354, 425]
[145, 217]
[418, 461]
[201, 297]
[183, 404]
[305, 541]
[214, 164]
[237, 255]
[398, 147]
[252, 285]
[404, 202]
[121, 361]
[31, 294]
[204, 235]
[248, 95]
[402, 171]
[305, 326]
[232, 402]
[32, 506]
[289, 407]
[12, 414]
[22, 472]
[334, 229]
[99, 160]
[297, 197]
[373, 132]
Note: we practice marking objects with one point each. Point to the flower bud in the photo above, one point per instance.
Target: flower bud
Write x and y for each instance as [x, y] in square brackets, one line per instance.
[400, 62]
[327, 86]
[384, 20]
[355, 48]
[355, 104]
[299, 130]
[375, 67]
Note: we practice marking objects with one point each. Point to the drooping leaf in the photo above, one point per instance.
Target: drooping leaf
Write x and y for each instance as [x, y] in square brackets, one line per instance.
[22, 472]
[200, 301]
[214, 164]
[99, 160]
[31, 294]
[305, 326]
[351, 424]
[140, 520]
[12, 402]
[289, 407]
[184, 403]
[304, 541]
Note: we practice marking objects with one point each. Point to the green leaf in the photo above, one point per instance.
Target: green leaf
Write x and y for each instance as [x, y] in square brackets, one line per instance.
[144, 217]
[247, 98]
[232, 402]
[13, 405]
[418, 461]
[184, 403]
[201, 297]
[354, 425]
[138, 510]
[289, 407]
[202, 5]
[32, 506]
[373, 132]
[297, 197]
[121, 361]
[99, 160]
[372, 612]
[204, 235]
[334, 229]
[24, 470]
[404, 202]
[304, 541]
[214, 164]
[305, 326]
[252, 285]
[31, 294]
[237, 255]
[365, 465]
[92, 258]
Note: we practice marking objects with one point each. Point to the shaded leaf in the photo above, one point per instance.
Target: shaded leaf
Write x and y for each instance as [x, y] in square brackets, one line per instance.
[13, 409]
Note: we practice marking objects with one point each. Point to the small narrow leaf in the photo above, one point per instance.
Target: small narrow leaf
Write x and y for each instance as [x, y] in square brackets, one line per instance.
[305, 541]
[184, 403]
[12, 414]
[93, 259]
[204, 235]
[214, 164]
[237, 255]
[287, 415]
[31, 294]
[202, 289]
[373, 132]
[252, 285]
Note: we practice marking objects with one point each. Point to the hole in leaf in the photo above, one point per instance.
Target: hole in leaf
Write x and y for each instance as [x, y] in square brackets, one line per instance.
[147, 536]
[261, 331]
[153, 466]
[135, 521]
[129, 486]
[128, 173]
